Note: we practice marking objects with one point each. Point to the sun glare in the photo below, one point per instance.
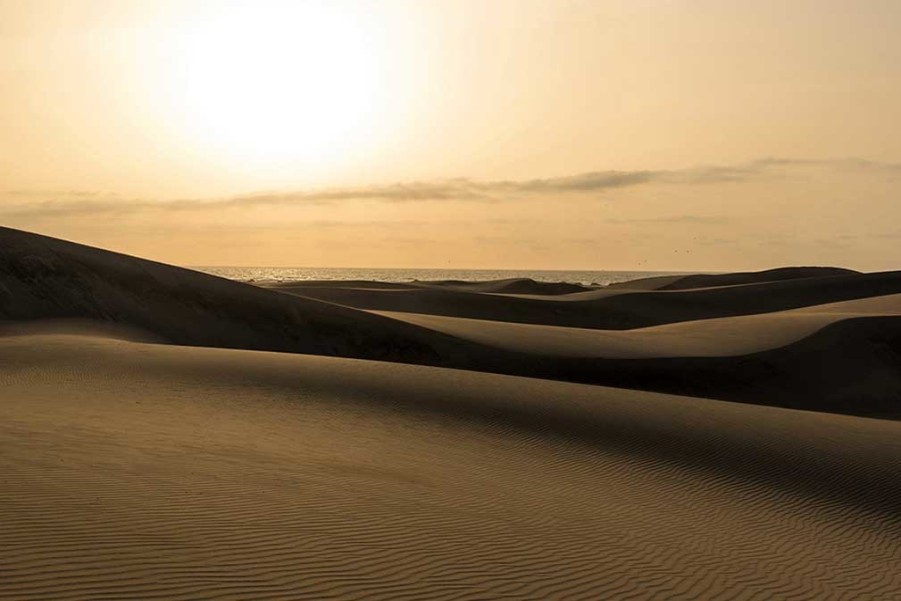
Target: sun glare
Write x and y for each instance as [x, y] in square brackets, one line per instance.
[279, 81]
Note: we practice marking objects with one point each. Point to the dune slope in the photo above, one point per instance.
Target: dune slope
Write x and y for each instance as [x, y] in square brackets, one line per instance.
[726, 336]
[183, 473]
[44, 278]
[839, 357]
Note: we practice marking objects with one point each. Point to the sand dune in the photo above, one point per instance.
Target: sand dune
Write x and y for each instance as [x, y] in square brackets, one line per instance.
[812, 358]
[515, 286]
[842, 363]
[183, 473]
[44, 278]
[616, 309]
[731, 279]
[720, 337]
[139, 462]
[519, 286]
[850, 366]
[357, 284]
[511, 286]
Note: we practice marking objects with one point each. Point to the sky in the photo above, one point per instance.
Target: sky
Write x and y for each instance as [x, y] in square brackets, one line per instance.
[697, 135]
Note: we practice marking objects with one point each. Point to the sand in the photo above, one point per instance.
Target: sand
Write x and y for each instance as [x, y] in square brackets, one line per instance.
[613, 308]
[170, 472]
[730, 336]
[702, 280]
[155, 447]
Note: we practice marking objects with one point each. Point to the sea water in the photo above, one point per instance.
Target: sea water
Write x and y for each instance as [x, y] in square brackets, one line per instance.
[283, 274]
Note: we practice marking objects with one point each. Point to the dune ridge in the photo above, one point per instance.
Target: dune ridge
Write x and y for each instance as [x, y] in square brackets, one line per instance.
[518, 286]
[702, 280]
[511, 286]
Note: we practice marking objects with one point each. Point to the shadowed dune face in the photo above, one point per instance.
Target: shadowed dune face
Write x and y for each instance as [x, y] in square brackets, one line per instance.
[176, 473]
[46, 279]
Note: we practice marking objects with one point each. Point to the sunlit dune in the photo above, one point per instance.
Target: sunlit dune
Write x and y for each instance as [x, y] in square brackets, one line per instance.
[181, 472]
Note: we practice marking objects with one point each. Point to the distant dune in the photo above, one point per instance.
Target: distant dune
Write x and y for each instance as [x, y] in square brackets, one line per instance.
[155, 447]
[731, 279]
[512, 286]
[613, 308]
[508, 286]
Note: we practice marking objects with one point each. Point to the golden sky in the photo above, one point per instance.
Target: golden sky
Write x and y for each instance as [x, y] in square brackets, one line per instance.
[591, 134]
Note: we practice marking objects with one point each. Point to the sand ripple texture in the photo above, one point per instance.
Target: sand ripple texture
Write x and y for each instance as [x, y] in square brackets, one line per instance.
[140, 471]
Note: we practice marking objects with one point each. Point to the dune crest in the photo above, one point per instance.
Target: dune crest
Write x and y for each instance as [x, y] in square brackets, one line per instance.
[732, 279]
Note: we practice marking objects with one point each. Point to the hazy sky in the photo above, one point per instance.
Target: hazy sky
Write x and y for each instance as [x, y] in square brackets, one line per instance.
[593, 134]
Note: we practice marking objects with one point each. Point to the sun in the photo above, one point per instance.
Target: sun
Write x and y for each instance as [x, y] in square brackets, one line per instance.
[269, 81]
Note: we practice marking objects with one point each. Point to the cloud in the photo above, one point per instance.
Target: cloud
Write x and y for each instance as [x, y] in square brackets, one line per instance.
[845, 164]
[74, 207]
[66, 193]
[61, 205]
[698, 219]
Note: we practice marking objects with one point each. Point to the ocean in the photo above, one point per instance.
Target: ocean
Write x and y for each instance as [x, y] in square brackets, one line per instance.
[282, 274]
